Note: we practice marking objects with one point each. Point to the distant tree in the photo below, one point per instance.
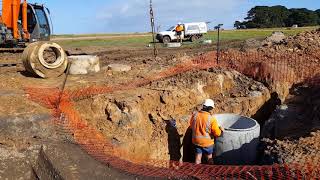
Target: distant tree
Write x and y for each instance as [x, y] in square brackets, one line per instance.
[279, 16]
[257, 17]
[264, 16]
[302, 17]
[318, 13]
[251, 25]
[237, 24]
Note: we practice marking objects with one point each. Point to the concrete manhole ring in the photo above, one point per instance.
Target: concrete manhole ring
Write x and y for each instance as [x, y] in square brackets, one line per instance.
[58, 52]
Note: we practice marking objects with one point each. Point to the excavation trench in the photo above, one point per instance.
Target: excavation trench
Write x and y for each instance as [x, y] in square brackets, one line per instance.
[290, 134]
[151, 122]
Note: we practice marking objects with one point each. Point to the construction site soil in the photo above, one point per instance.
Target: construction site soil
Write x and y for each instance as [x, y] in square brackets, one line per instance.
[139, 120]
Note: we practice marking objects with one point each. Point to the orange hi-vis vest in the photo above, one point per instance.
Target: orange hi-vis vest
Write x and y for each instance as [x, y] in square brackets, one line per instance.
[203, 126]
[179, 28]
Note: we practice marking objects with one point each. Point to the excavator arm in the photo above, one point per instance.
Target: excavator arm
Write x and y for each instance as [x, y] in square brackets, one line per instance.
[10, 17]
[25, 20]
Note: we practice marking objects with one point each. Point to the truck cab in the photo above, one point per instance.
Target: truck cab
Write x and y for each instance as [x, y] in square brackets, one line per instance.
[192, 32]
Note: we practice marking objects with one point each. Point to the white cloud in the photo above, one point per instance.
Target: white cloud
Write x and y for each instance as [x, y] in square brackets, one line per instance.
[124, 8]
[133, 15]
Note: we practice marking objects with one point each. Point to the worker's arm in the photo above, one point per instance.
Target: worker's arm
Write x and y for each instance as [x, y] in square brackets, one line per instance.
[215, 129]
[191, 121]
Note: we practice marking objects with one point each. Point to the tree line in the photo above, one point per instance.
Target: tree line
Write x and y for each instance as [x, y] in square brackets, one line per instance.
[278, 16]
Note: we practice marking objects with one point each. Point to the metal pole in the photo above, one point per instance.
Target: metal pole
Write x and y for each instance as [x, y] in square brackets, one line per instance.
[63, 85]
[218, 45]
[153, 30]
[218, 42]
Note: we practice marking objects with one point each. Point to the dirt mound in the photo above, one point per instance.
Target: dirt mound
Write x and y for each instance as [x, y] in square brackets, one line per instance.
[305, 43]
[296, 129]
[275, 38]
[304, 150]
[250, 43]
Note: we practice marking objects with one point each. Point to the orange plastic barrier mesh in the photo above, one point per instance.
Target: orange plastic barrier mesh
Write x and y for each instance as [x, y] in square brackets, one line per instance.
[291, 67]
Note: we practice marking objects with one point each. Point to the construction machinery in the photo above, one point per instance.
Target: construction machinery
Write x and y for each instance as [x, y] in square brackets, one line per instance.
[22, 22]
[25, 27]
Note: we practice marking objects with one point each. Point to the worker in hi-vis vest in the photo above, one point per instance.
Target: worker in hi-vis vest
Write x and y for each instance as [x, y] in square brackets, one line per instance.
[179, 30]
[204, 126]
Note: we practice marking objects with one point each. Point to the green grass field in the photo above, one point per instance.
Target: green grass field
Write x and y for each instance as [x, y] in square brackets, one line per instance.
[117, 41]
[94, 35]
[130, 40]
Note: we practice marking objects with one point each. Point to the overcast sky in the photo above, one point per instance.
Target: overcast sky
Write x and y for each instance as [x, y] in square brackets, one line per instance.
[106, 16]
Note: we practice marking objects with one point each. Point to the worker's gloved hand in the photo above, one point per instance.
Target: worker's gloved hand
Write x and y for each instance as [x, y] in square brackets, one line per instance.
[173, 123]
[222, 129]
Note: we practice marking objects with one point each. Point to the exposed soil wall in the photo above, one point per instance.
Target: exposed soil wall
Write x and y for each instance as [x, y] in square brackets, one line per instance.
[292, 133]
[140, 121]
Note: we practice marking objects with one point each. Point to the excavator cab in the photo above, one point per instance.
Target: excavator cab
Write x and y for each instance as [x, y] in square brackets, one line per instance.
[23, 22]
[38, 23]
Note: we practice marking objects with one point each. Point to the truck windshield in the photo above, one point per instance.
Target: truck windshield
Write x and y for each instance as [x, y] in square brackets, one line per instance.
[171, 28]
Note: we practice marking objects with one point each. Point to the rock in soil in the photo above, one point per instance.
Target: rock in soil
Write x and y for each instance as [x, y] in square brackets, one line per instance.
[119, 67]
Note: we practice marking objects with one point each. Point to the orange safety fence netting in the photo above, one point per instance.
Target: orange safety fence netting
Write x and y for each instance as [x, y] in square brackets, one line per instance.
[292, 68]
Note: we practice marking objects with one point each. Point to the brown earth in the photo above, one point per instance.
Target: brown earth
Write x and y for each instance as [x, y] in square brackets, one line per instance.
[303, 43]
[120, 116]
[295, 126]
[140, 119]
[26, 126]
[293, 130]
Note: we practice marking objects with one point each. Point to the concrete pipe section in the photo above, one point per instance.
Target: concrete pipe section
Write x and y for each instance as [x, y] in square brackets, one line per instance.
[238, 144]
[45, 59]
[84, 64]
[173, 45]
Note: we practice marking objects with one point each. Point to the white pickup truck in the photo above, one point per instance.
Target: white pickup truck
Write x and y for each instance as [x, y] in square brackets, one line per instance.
[192, 32]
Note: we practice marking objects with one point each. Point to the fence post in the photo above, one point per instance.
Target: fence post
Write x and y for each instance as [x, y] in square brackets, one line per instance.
[218, 41]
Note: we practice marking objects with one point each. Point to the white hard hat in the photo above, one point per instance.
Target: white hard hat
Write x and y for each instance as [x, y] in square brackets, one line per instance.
[209, 103]
[179, 23]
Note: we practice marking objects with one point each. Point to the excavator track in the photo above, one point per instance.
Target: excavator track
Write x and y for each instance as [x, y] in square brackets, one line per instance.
[10, 61]
[11, 50]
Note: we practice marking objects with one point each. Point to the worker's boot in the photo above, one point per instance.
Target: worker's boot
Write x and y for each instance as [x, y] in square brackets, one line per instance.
[210, 161]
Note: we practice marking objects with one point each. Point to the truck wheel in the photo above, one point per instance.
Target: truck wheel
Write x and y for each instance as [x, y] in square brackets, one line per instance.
[166, 39]
[194, 38]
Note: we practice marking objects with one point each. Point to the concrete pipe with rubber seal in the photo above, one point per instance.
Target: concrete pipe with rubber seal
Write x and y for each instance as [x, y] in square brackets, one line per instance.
[25, 57]
[58, 55]
[239, 142]
[45, 59]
